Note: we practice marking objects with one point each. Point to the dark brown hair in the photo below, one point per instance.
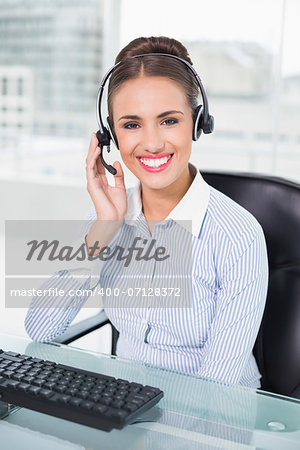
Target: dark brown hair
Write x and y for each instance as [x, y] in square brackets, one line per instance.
[130, 68]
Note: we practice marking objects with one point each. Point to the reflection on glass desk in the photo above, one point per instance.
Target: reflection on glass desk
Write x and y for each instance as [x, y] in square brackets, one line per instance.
[195, 413]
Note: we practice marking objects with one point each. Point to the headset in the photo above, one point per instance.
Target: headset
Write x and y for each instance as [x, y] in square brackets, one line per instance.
[203, 121]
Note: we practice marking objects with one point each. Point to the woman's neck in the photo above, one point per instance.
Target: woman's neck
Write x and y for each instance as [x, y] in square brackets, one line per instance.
[158, 203]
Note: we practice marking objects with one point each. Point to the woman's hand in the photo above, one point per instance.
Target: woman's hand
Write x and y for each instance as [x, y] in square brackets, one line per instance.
[110, 201]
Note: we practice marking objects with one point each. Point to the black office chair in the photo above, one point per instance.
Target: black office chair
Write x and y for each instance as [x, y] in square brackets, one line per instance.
[275, 203]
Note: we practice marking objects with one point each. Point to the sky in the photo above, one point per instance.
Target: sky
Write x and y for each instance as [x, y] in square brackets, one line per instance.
[260, 21]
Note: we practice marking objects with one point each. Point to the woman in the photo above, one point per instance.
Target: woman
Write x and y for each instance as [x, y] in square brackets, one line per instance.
[216, 262]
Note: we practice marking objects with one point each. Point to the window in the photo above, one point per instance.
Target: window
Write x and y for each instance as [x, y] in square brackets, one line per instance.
[246, 54]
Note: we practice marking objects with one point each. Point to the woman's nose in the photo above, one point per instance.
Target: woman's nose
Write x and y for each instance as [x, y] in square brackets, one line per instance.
[152, 139]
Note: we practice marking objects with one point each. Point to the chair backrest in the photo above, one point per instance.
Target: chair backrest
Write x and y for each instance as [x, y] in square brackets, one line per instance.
[275, 203]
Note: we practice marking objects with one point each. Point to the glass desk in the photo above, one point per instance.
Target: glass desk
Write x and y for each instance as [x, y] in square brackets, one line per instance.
[195, 413]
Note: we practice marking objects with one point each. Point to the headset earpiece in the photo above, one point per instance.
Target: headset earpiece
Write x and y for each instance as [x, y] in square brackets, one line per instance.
[103, 138]
[208, 127]
[200, 124]
[198, 118]
[113, 136]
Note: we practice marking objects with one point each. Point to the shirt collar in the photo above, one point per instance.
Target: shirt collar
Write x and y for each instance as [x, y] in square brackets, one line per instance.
[185, 211]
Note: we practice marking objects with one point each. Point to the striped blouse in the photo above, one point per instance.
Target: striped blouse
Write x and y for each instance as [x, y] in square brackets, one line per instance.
[189, 297]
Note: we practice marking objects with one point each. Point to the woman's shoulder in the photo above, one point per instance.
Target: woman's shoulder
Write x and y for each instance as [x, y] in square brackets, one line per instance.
[232, 219]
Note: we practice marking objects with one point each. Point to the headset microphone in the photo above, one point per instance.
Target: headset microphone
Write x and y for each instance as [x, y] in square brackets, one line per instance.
[203, 121]
[110, 168]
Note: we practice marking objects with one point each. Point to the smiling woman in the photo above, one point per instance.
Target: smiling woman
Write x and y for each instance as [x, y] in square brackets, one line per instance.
[198, 310]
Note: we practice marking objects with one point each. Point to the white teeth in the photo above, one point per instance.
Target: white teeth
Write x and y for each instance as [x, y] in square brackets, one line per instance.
[155, 162]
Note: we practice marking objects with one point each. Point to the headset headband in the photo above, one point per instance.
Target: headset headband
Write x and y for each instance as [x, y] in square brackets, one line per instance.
[207, 119]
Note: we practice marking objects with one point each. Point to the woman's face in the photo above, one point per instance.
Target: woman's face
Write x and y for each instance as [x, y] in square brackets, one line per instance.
[153, 124]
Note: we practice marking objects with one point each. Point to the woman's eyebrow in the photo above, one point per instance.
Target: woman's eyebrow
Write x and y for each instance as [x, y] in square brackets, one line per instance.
[129, 117]
[164, 114]
[167, 113]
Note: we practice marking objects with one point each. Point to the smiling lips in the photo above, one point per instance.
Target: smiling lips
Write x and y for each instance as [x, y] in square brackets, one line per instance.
[155, 163]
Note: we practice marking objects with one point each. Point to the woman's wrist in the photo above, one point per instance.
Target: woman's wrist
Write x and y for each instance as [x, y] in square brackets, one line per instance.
[100, 234]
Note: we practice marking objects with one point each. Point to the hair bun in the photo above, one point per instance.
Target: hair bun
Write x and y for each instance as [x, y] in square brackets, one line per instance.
[160, 44]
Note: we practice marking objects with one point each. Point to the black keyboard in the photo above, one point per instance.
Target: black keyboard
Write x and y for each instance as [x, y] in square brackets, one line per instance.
[88, 398]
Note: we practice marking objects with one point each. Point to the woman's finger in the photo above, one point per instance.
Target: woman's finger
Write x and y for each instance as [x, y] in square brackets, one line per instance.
[119, 177]
[95, 167]
[94, 144]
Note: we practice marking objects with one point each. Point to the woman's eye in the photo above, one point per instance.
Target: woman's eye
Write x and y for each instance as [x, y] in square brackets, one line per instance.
[170, 121]
[131, 125]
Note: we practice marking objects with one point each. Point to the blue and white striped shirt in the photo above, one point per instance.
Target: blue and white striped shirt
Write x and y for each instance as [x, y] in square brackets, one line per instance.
[218, 265]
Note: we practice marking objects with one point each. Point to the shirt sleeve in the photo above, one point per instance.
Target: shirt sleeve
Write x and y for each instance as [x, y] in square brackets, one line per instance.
[64, 294]
[240, 302]
[50, 315]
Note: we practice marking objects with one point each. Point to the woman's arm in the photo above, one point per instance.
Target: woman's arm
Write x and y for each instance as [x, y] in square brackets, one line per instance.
[239, 308]
[50, 315]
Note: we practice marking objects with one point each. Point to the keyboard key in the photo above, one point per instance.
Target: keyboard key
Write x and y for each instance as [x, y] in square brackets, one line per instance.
[50, 363]
[135, 389]
[87, 404]
[60, 389]
[31, 375]
[122, 392]
[117, 404]
[136, 402]
[8, 374]
[119, 397]
[100, 408]
[21, 371]
[25, 357]
[8, 357]
[136, 385]
[28, 379]
[151, 389]
[18, 376]
[12, 353]
[83, 394]
[28, 363]
[71, 391]
[3, 382]
[5, 363]
[46, 393]
[34, 390]
[12, 383]
[142, 398]
[64, 398]
[49, 385]
[130, 407]
[15, 365]
[24, 387]
[54, 379]
[41, 376]
[75, 401]
[94, 398]
[97, 391]
[38, 382]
